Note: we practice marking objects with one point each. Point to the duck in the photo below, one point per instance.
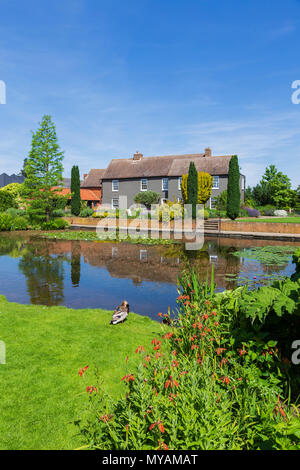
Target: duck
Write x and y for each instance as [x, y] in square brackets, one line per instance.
[121, 313]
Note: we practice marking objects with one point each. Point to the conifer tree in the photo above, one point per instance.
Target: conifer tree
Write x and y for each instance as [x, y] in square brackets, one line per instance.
[75, 190]
[44, 170]
[233, 189]
[192, 188]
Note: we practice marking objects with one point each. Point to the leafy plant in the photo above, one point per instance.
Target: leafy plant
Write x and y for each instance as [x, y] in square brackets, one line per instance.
[233, 189]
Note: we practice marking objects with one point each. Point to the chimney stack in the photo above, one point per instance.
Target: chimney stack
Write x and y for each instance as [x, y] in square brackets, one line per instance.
[85, 175]
[208, 152]
[137, 156]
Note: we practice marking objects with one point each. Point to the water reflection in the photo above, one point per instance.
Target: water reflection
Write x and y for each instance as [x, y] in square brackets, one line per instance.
[100, 275]
[44, 273]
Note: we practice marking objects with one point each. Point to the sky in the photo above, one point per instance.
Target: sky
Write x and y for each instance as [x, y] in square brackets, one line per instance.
[158, 76]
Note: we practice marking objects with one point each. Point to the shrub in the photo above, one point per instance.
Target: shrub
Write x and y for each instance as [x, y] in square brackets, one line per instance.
[86, 212]
[7, 200]
[268, 210]
[147, 198]
[16, 212]
[55, 224]
[19, 223]
[252, 212]
[6, 222]
[169, 211]
[281, 213]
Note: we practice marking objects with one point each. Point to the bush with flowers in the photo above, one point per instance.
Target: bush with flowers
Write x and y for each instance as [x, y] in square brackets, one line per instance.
[207, 382]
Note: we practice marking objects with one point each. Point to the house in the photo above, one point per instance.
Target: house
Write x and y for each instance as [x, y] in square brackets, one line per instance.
[8, 179]
[129, 176]
[90, 188]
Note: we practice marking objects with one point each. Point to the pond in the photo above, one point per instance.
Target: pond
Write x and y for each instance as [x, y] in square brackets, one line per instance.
[82, 274]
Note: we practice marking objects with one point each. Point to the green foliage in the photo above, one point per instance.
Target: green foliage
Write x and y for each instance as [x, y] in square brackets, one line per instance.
[86, 212]
[221, 201]
[55, 224]
[44, 171]
[192, 188]
[168, 211]
[233, 189]
[75, 191]
[202, 384]
[9, 222]
[7, 200]
[147, 198]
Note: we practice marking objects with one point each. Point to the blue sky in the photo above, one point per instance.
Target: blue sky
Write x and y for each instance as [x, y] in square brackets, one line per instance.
[158, 76]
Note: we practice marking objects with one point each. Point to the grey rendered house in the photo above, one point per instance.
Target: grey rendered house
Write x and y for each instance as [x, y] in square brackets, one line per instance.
[129, 176]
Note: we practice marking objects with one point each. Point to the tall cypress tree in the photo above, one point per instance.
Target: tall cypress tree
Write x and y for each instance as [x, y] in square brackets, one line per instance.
[192, 188]
[233, 189]
[75, 190]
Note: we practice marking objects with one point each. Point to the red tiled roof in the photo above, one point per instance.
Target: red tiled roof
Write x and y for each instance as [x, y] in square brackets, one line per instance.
[85, 194]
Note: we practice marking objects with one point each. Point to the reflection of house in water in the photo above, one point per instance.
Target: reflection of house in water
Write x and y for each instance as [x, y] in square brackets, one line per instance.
[152, 263]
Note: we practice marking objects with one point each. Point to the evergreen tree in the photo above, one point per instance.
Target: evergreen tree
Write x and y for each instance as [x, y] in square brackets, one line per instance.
[43, 170]
[233, 189]
[75, 190]
[192, 188]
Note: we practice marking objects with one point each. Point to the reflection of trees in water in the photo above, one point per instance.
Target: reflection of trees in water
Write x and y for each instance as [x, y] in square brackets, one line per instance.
[44, 274]
[201, 261]
[12, 247]
[75, 263]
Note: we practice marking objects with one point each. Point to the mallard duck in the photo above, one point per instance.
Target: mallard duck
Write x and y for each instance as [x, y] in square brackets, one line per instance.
[121, 313]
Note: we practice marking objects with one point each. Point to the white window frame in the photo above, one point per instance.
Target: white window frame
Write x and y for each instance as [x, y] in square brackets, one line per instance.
[179, 182]
[143, 256]
[112, 203]
[112, 185]
[210, 201]
[216, 180]
[162, 184]
[144, 179]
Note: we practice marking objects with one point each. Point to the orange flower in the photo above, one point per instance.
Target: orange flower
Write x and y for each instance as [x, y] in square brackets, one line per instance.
[139, 349]
[162, 446]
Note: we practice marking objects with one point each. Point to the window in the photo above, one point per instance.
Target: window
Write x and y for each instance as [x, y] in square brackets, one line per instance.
[165, 184]
[243, 183]
[179, 183]
[115, 185]
[213, 202]
[115, 203]
[216, 182]
[213, 259]
[144, 184]
[143, 255]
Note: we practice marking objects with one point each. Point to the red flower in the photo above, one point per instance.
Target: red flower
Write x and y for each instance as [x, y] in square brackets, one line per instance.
[82, 371]
[171, 382]
[162, 446]
[139, 349]
[106, 418]
[159, 425]
[225, 380]
[220, 350]
[91, 389]
[128, 378]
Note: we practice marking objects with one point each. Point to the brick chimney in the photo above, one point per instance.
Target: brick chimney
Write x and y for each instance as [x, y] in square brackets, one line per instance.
[137, 156]
[208, 152]
[85, 175]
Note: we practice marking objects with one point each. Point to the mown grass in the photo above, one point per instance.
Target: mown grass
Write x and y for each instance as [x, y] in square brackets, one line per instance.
[276, 220]
[40, 389]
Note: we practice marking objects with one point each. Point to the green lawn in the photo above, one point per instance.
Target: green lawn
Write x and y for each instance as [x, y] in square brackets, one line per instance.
[277, 220]
[41, 392]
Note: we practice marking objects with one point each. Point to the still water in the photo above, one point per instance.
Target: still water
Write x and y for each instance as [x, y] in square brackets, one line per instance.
[82, 274]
